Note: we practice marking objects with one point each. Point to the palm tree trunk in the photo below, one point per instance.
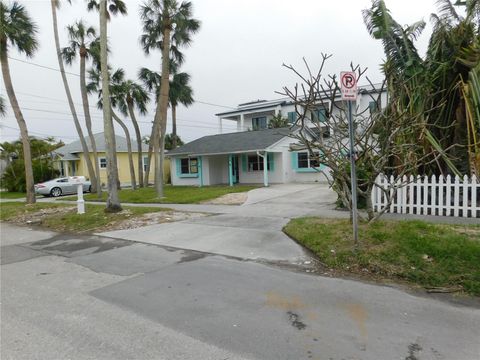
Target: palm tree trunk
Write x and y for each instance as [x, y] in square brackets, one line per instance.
[91, 172]
[150, 152]
[27, 156]
[97, 187]
[139, 144]
[174, 126]
[129, 149]
[113, 202]
[161, 115]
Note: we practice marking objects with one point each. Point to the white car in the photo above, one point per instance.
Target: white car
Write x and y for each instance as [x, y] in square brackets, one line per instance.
[61, 186]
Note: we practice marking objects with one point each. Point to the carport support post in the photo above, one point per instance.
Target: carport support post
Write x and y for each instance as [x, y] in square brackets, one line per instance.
[265, 169]
[200, 171]
[230, 170]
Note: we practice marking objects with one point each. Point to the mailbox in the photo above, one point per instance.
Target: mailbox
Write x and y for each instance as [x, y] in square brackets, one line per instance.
[77, 179]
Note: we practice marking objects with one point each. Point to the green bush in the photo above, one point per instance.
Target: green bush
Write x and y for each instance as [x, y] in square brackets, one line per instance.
[14, 177]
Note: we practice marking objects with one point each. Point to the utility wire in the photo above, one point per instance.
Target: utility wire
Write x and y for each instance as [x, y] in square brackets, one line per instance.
[71, 73]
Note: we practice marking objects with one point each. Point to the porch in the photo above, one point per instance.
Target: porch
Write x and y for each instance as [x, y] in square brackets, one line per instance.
[259, 167]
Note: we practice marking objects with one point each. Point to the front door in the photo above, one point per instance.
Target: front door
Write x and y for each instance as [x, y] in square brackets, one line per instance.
[236, 175]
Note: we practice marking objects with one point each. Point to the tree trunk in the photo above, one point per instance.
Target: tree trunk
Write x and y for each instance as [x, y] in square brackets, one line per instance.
[161, 114]
[174, 126]
[150, 152]
[113, 202]
[96, 187]
[27, 155]
[139, 144]
[129, 149]
[91, 172]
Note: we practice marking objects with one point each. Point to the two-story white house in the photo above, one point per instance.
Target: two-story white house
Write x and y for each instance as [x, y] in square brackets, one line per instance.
[255, 153]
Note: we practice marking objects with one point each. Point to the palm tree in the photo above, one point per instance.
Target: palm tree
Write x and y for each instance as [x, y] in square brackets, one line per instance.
[180, 93]
[165, 23]
[84, 43]
[91, 172]
[19, 31]
[114, 6]
[151, 82]
[278, 121]
[116, 97]
[3, 111]
[129, 95]
[430, 93]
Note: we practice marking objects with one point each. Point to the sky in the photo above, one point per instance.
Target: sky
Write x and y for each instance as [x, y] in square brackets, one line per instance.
[236, 57]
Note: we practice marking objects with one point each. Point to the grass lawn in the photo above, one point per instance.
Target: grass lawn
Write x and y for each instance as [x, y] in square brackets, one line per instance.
[58, 218]
[175, 194]
[11, 195]
[429, 255]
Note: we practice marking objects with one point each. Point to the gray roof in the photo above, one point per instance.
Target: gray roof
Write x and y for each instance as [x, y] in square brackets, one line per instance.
[233, 142]
[76, 147]
[68, 156]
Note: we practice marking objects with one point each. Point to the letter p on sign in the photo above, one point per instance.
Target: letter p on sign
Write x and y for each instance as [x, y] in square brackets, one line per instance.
[348, 85]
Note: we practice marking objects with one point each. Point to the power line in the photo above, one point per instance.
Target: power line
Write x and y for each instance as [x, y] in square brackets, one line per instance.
[71, 73]
[139, 121]
[38, 133]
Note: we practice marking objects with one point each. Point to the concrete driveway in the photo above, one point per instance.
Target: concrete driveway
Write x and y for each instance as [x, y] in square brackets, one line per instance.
[250, 231]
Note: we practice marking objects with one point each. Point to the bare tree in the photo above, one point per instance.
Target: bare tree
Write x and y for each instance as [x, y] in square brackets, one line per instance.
[378, 137]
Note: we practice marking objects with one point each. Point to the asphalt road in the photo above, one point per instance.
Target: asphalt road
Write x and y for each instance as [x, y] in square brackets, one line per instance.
[71, 297]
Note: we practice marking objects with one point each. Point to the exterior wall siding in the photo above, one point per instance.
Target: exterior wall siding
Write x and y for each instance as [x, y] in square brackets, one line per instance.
[123, 168]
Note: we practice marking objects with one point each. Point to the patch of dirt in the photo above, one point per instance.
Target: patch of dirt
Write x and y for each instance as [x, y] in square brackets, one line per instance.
[37, 217]
[228, 199]
[151, 219]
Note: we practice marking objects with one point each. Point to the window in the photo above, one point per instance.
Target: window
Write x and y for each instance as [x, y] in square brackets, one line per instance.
[255, 163]
[102, 161]
[320, 114]
[292, 117]
[189, 166]
[259, 123]
[62, 180]
[145, 163]
[306, 161]
[373, 106]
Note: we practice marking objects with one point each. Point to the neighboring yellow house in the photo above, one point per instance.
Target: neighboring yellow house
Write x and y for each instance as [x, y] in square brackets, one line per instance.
[71, 160]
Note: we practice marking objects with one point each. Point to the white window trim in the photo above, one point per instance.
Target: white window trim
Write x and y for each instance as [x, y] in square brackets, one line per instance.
[308, 160]
[189, 166]
[143, 162]
[100, 162]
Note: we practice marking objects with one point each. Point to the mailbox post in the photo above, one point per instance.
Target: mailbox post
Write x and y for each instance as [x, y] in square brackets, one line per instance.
[79, 180]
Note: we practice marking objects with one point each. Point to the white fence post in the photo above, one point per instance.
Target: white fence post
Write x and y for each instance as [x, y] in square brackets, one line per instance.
[433, 197]
[448, 192]
[473, 202]
[440, 195]
[456, 196]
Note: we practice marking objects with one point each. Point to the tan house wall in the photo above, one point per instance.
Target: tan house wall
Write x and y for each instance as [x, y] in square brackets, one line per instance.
[123, 168]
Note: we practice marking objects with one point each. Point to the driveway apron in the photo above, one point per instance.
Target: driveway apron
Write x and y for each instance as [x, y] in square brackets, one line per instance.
[250, 231]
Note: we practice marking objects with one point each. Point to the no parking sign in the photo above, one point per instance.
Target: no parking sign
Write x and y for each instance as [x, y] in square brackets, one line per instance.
[348, 85]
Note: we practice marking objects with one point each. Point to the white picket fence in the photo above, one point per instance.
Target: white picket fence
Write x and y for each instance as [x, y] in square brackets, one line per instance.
[421, 195]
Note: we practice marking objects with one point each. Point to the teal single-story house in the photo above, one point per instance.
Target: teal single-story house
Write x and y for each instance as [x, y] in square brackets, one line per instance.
[250, 157]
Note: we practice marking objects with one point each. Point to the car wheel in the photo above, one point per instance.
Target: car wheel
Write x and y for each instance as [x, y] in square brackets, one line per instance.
[90, 189]
[56, 192]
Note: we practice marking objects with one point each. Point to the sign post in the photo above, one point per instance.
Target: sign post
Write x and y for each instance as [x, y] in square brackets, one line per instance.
[348, 85]
[79, 180]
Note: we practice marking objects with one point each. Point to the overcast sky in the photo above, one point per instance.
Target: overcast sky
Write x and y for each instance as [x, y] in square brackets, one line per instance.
[236, 57]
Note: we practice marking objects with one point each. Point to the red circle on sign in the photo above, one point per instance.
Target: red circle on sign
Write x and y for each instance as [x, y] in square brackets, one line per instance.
[348, 80]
